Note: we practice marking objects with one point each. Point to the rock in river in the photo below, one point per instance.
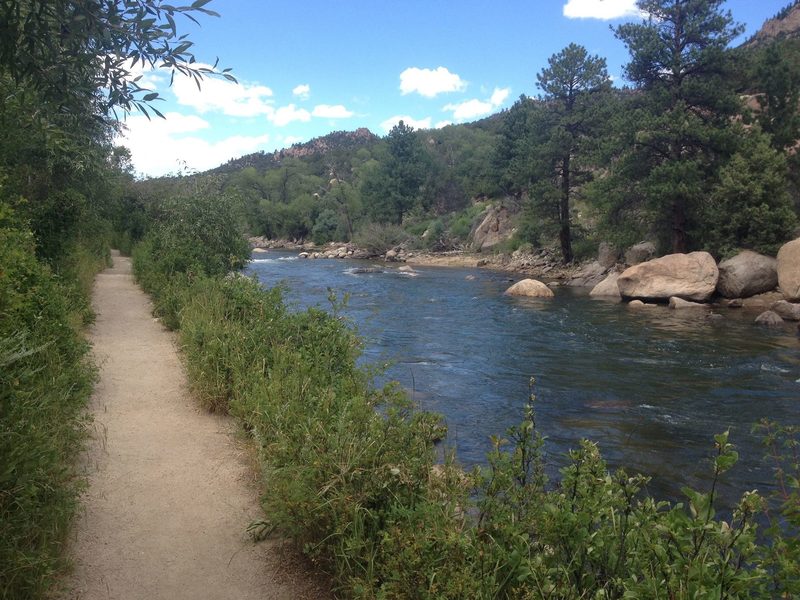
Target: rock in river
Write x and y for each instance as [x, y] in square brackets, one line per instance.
[786, 310]
[769, 319]
[689, 276]
[747, 274]
[531, 288]
[607, 288]
[789, 270]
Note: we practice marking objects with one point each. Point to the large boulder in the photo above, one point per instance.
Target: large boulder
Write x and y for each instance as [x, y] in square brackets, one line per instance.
[747, 274]
[530, 288]
[786, 310]
[689, 276]
[607, 288]
[495, 227]
[789, 270]
[639, 253]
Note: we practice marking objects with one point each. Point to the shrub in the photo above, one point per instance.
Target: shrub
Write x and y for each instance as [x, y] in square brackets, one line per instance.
[379, 238]
[45, 381]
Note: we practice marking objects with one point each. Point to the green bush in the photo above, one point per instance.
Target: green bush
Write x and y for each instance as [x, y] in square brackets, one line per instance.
[378, 238]
[45, 381]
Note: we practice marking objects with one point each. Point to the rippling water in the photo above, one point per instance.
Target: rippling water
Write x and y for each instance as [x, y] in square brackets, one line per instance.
[650, 386]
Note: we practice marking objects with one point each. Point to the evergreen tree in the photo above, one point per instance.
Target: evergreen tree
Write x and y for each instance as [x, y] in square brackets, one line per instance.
[778, 84]
[681, 116]
[396, 186]
[570, 85]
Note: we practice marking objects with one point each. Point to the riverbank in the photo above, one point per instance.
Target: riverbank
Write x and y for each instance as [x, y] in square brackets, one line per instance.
[543, 264]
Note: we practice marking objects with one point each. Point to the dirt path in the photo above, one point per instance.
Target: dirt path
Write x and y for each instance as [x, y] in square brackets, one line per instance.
[170, 489]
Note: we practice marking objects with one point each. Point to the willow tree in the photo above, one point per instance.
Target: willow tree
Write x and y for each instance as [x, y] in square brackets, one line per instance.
[571, 85]
[682, 112]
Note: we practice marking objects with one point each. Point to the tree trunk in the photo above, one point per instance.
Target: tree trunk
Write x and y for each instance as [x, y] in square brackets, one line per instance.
[679, 242]
[563, 214]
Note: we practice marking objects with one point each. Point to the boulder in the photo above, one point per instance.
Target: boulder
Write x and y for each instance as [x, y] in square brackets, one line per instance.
[789, 270]
[640, 304]
[589, 275]
[303, 255]
[762, 300]
[607, 288]
[607, 255]
[639, 253]
[688, 276]
[530, 288]
[769, 319]
[676, 302]
[747, 274]
[786, 310]
[496, 226]
[391, 255]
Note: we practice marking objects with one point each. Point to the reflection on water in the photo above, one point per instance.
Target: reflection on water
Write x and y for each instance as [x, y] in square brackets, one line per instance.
[650, 385]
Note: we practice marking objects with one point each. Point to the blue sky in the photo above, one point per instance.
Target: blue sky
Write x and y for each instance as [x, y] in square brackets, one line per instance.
[308, 68]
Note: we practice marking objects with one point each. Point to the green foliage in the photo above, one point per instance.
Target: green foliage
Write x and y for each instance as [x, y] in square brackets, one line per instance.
[72, 50]
[781, 554]
[45, 381]
[778, 81]
[380, 238]
[396, 186]
[750, 206]
[573, 83]
[325, 227]
[679, 123]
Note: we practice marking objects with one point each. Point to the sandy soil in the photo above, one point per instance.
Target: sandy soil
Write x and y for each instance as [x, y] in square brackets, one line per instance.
[171, 490]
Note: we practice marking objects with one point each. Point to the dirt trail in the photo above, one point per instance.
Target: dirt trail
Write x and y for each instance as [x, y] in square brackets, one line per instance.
[170, 490]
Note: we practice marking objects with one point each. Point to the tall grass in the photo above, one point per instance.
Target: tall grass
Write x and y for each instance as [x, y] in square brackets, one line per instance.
[350, 474]
[45, 381]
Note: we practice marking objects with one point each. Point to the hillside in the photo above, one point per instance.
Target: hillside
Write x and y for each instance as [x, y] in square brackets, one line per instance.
[784, 25]
[334, 142]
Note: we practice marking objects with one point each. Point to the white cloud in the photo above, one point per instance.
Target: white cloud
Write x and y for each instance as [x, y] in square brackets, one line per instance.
[600, 9]
[499, 96]
[288, 114]
[157, 145]
[430, 82]
[220, 95]
[327, 111]
[415, 123]
[302, 91]
[442, 124]
[472, 109]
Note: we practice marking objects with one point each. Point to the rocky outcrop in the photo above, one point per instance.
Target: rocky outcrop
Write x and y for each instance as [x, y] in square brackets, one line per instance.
[607, 288]
[589, 275]
[530, 288]
[786, 310]
[789, 270]
[769, 319]
[607, 255]
[688, 276]
[495, 227]
[747, 274]
[639, 253]
[677, 303]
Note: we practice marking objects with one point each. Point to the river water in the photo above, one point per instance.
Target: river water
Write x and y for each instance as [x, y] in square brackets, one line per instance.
[650, 386]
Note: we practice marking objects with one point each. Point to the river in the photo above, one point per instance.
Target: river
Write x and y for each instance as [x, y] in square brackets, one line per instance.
[650, 386]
